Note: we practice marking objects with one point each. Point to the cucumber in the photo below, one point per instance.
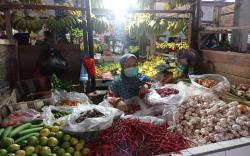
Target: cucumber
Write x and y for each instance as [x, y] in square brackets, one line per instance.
[1, 131]
[37, 125]
[28, 131]
[35, 122]
[6, 132]
[25, 137]
[19, 129]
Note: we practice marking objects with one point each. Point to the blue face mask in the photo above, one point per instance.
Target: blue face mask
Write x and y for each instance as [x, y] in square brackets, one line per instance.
[131, 72]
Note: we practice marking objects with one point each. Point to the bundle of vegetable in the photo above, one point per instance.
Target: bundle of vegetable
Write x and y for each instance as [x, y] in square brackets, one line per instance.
[89, 114]
[164, 92]
[206, 119]
[206, 82]
[58, 114]
[132, 137]
[242, 90]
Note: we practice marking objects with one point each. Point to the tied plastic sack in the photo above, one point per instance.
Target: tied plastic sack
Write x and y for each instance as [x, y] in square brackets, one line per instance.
[220, 88]
[104, 121]
[154, 98]
[68, 98]
[54, 114]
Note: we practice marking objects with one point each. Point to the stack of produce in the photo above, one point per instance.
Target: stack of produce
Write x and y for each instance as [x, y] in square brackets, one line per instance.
[164, 92]
[132, 137]
[208, 83]
[37, 139]
[172, 46]
[240, 93]
[149, 67]
[206, 119]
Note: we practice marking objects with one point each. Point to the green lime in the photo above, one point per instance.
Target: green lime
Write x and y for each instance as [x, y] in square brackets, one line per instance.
[10, 154]
[23, 143]
[45, 132]
[29, 150]
[85, 151]
[55, 149]
[34, 154]
[53, 154]
[57, 123]
[20, 153]
[6, 142]
[60, 152]
[59, 135]
[70, 150]
[52, 142]
[52, 134]
[33, 141]
[66, 154]
[43, 141]
[65, 145]
[79, 147]
[77, 153]
[66, 137]
[3, 152]
[44, 150]
[13, 148]
[82, 141]
[55, 129]
[38, 148]
[74, 141]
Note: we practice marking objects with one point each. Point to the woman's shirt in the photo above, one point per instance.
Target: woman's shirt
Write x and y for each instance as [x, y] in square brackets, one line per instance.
[126, 88]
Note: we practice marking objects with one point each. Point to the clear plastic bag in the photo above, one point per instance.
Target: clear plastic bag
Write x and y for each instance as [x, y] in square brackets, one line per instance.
[219, 89]
[90, 124]
[50, 119]
[59, 96]
[20, 116]
[153, 98]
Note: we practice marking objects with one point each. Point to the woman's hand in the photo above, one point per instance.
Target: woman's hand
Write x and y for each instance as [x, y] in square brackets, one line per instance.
[144, 90]
[121, 105]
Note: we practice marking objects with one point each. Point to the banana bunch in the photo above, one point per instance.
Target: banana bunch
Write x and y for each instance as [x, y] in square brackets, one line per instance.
[133, 30]
[61, 23]
[158, 27]
[2, 22]
[149, 67]
[26, 23]
[107, 68]
[100, 24]
[31, 1]
[177, 27]
[173, 46]
[177, 3]
[76, 13]
[76, 33]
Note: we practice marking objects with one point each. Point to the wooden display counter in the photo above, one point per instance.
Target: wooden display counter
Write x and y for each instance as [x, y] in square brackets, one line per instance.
[235, 66]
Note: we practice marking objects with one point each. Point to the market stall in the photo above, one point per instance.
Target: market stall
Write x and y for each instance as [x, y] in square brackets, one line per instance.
[186, 111]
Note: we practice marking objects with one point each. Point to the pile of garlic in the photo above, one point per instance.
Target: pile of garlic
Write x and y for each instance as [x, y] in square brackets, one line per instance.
[207, 120]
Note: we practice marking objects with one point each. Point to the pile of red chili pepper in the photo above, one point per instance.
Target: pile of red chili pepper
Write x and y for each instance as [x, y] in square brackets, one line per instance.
[135, 138]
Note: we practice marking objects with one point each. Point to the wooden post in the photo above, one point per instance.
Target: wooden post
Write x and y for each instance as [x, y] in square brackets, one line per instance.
[8, 24]
[196, 17]
[90, 39]
[241, 18]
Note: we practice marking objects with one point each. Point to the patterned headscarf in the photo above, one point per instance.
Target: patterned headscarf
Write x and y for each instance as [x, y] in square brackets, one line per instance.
[124, 59]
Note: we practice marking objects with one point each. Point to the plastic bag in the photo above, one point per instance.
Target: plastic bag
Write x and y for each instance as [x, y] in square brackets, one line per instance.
[53, 62]
[50, 119]
[219, 89]
[153, 98]
[90, 124]
[61, 97]
[21, 116]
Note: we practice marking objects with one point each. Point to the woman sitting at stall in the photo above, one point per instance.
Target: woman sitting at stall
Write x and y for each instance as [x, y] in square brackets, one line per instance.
[131, 83]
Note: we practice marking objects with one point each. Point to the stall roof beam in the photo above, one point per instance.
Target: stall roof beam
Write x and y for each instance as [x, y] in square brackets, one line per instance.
[56, 7]
[215, 4]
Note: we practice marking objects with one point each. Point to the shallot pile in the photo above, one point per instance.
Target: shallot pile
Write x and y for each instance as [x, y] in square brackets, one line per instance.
[207, 120]
[164, 92]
